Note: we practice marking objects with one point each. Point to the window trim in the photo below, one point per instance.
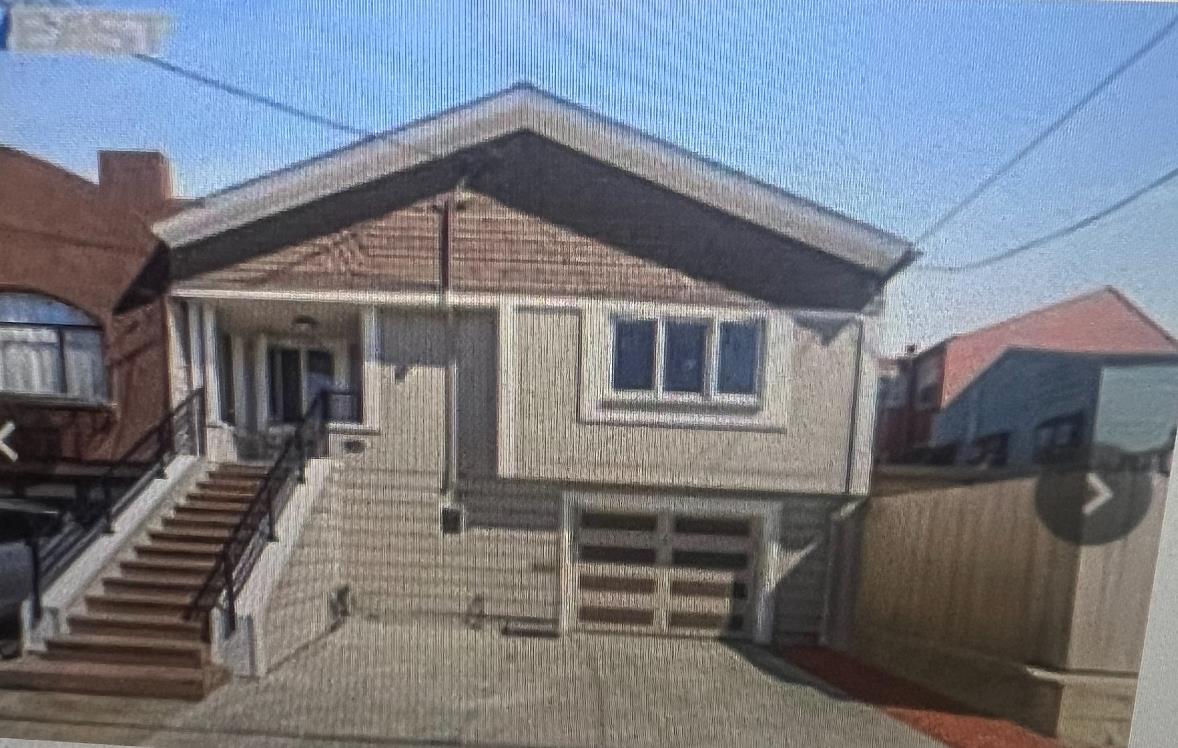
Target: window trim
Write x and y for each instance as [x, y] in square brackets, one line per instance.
[62, 396]
[711, 363]
[599, 403]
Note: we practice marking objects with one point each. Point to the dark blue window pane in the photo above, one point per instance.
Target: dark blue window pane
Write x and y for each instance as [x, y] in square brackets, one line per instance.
[634, 354]
[737, 371]
[683, 356]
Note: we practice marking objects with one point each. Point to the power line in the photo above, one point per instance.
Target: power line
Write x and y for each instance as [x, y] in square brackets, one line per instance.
[1057, 234]
[1010, 163]
[256, 98]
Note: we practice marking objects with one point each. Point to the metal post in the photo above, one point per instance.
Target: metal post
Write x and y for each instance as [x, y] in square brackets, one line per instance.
[271, 532]
[199, 410]
[230, 597]
[301, 438]
[108, 504]
[35, 559]
[161, 450]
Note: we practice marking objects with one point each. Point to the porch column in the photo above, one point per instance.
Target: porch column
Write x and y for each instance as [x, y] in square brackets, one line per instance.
[261, 382]
[212, 376]
[370, 368]
[240, 396]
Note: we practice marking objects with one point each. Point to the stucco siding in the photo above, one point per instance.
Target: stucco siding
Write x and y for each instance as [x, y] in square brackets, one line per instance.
[549, 440]
[803, 575]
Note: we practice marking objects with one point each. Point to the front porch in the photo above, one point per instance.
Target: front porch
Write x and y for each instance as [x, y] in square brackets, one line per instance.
[262, 364]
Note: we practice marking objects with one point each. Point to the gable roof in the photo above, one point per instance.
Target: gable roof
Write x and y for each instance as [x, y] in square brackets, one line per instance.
[524, 108]
[1103, 321]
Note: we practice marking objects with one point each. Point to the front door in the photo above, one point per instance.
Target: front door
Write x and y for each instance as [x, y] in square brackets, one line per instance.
[296, 377]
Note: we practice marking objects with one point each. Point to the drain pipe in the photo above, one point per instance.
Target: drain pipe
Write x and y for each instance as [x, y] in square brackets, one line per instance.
[449, 209]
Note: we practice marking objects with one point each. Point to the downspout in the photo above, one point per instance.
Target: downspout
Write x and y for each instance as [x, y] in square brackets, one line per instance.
[449, 210]
[853, 431]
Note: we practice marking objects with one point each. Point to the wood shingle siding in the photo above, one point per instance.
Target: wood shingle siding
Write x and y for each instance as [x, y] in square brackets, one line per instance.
[496, 249]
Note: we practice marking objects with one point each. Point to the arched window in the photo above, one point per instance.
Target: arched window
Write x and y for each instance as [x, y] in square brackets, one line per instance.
[49, 348]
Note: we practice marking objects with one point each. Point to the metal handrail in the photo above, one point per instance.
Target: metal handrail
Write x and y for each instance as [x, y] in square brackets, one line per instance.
[60, 550]
[241, 548]
[164, 435]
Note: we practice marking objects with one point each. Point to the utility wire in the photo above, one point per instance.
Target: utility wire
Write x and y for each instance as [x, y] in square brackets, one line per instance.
[256, 98]
[1057, 234]
[1051, 129]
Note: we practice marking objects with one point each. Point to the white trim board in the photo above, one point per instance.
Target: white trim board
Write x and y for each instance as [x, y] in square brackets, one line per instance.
[469, 300]
[524, 108]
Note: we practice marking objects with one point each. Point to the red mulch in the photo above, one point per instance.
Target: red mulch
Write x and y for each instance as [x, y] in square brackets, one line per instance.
[955, 725]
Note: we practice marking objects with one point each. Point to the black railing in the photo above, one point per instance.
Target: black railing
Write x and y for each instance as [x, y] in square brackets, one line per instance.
[258, 523]
[96, 509]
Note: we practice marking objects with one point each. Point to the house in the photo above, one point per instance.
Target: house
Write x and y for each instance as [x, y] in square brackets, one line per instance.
[1035, 407]
[567, 375]
[924, 384]
[80, 383]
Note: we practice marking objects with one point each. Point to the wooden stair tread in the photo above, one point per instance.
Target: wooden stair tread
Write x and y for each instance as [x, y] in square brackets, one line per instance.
[108, 678]
[130, 619]
[141, 598]
[160, 566]
[178, 547]
[123, 642]
[84, 669]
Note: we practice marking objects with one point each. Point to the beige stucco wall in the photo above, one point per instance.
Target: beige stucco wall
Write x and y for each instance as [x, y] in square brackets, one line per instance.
[546, 436]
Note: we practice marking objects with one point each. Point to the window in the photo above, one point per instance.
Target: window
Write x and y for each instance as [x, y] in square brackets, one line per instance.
[50, 348]
[1059, 438]
[225, 375]
[687, 357]
[991, 450]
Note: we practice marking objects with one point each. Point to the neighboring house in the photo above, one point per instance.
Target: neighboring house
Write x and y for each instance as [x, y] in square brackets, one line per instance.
[79, 381]
[668, 361]
[926, 383]
[1034, 407]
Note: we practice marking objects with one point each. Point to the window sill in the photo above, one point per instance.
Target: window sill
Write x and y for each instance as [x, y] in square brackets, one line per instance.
[714, 415]
[358, 429]
[57, 403]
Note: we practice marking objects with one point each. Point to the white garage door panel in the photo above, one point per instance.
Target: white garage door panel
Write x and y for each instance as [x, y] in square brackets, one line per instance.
[670, 570]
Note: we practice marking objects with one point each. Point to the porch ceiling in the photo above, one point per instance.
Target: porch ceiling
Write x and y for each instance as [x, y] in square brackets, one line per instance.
[277, 318]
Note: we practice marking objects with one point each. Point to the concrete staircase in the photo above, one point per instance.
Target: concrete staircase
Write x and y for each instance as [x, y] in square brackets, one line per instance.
[132, 638]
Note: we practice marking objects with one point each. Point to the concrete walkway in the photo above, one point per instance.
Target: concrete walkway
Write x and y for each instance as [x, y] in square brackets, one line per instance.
[438, 683]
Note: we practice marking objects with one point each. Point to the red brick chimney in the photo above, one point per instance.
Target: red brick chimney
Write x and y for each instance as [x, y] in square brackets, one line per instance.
[141, 180]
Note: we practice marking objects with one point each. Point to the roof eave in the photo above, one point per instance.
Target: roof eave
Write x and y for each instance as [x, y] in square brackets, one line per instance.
[525, 108]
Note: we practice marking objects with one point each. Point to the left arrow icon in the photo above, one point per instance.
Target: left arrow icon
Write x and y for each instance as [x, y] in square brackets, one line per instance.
[5, 432]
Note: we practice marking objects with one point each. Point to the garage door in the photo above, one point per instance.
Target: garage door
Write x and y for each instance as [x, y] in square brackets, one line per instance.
[664, 571]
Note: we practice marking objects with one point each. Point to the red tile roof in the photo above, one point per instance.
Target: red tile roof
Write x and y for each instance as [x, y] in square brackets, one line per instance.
[1102, 321]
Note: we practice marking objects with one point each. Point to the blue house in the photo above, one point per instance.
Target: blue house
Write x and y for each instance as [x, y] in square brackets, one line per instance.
[1037, 407]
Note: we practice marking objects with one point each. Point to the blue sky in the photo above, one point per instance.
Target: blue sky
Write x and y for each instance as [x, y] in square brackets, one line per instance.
[887, 111]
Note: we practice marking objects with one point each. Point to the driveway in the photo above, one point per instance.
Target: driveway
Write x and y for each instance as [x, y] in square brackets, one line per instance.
[439, 683]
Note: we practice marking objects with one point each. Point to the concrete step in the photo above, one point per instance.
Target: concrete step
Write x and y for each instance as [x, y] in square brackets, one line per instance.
[173, 606]
[39, 674]
[154, 627]
[204, 522]
[127, 650]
